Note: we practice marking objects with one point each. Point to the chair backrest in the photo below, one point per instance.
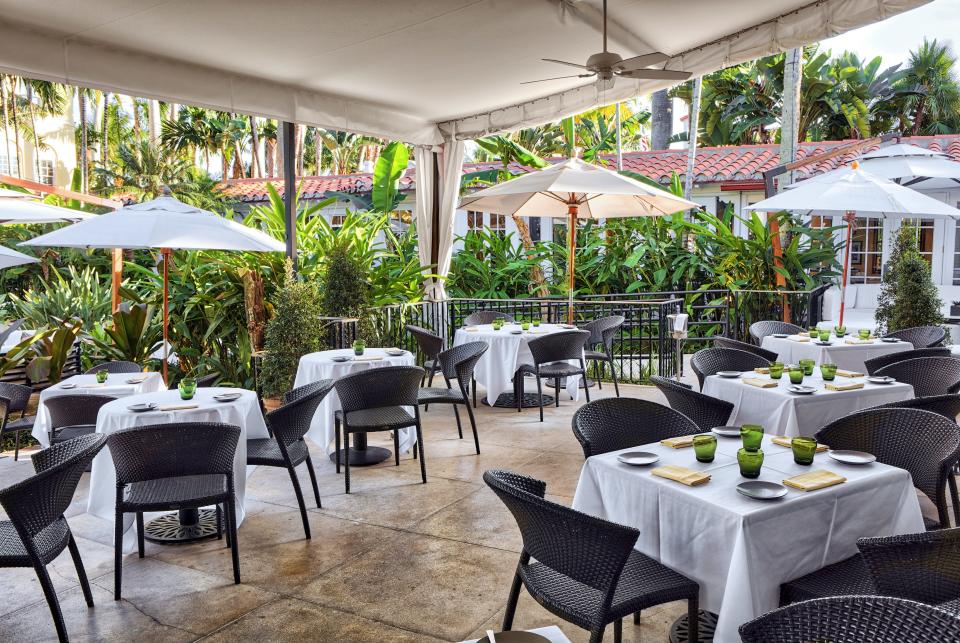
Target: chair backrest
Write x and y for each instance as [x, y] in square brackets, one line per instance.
[854, 619]
[946, 405]
[587, 549]
[927, 375]
[37, 502]
[876, 363]
[176, 449]
[922, 442]
[619, 423]
[706, 411]
[486, 317]
[75, 409]
[709, 361]
[207, 381]
[117, 366]
[921, 336]
[460, 361]
[922, 567]
[726, 342]
[6, 332]
[14, 397]
[760, 329]
[556, 347]
[291, 421]
[379, 387]
[603, 330]
[430, 343]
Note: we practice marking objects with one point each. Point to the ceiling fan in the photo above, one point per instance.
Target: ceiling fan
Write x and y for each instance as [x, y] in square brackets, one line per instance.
[607, 65]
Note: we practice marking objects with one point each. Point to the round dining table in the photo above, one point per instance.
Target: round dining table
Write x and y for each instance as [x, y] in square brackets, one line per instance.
[334, 364]
[186, 525]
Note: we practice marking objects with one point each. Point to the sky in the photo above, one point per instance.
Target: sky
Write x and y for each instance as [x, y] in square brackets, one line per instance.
[893, 38]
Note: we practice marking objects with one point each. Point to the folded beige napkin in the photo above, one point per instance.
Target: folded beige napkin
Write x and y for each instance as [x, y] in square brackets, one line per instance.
[97, 385]
[850, 386]
[799, 338]
[763, 370]
[843, 373]
[678, 443]
[682, 475]
[135, 380]
[538, 330]
[368, 358]
[471, 329]
[754, 381]
[178, 407]
[784, 441]
[814, 480]
[857, 340]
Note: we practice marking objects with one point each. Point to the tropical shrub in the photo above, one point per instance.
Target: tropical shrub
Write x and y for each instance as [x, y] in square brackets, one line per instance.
[908, 296]
[74, 293]
[294, 331]
[53, 349]
[134, 334]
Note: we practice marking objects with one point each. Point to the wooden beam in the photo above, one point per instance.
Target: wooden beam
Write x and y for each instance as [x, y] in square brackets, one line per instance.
[61, 192]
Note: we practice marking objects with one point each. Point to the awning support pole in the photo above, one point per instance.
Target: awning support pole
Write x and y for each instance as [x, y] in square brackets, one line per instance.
[289, 145]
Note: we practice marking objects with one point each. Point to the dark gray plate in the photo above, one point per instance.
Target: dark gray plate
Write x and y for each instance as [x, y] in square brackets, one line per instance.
[394, 353]
[143, 406]
[227, 397]
[780, 335]
[762, 490]
[516, 332]
[726, 431]
[802, 389]
[881, 379]
[889, 340]
[730, 374]
[638, 458]
[341, 358]
[824, 343]
[852, 457]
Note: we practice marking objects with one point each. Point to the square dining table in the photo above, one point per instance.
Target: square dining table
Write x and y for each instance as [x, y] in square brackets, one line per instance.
[739, 549]
[849, 353]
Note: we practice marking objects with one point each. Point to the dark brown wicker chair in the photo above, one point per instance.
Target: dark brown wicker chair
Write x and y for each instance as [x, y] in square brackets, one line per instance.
[168, 467]
[73, 415]
[925, 444]
[876, 363]
[726, 342]
[921, 567]
[37, 532]
[706, 411]
[586, 571]
[430, 345]
[599, 348]
[287, 448]
[204, 381]
[15, 398]
[760, 329]
[486, 317]
[373, 400]
[620, 423]
[921, 336]
[710, 361]
[928, 375]
[854, 619]
[115, 367]
[550, 355]
[456, 363]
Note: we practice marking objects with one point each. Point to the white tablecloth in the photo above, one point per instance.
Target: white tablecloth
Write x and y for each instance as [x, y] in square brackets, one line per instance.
[552, 633]
[740, 550]
[115, 386]
[243, 412]
[318, 366]
[506, 353]
[784, 413]
[850, 357]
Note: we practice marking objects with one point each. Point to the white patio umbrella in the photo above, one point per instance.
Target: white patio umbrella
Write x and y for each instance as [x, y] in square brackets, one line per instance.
[908, 165]
[575, 190]
[18, 207]
[10, 258]
[164, 223]
[849, 190]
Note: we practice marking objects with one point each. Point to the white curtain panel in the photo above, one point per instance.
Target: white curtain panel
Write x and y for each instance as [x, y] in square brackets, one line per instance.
[423, 181]
[451, 167]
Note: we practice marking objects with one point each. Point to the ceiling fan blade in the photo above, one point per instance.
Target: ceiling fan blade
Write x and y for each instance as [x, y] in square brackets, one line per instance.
[543, 80]
[562, 62]
[639, 62]
[655, 74]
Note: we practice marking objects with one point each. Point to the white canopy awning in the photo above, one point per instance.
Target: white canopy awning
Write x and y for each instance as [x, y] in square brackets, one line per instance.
[413, 71]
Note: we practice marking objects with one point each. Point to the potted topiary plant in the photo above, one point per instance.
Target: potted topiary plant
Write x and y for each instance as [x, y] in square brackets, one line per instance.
[908, 296]
[346, 291]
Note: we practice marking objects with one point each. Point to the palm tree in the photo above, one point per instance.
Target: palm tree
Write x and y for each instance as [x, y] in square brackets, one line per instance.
[934, 102]
[661, 123]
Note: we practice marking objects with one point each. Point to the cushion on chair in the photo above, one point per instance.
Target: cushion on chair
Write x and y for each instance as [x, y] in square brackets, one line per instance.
[266, 451]
[50, 542]
[440, 395]
[845, 578]
[169, 493]
[595, 355]
[382, 419]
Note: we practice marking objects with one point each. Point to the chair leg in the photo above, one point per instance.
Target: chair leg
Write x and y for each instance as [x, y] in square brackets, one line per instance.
[346, 460]
[954, 498]
[693, 620]
[396, 447]
[235, 550]
[433, 370]
[456, 414]
[52, 602]
[16, 448]
[423, 462]
[300, 502]
[556, 385]
[473, 425]
[336, 443]
[511, 608]
[586, 389]
[313, 481]
[81, 572]
[618, 630]
[474, 383]
[596, 375]
[596, 636]
[636, 618]
[140, 534]
[613, 376]
[117, 555]
[540, 396]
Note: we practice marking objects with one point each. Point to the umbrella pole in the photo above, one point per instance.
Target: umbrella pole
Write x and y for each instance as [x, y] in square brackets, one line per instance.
[572, 208]
[849, 217]
[116, 269]
[166, 252]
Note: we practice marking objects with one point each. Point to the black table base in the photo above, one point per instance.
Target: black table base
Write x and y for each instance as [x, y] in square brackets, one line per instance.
[360, 454]
[529, 401]
[184, 526]
[707, 625]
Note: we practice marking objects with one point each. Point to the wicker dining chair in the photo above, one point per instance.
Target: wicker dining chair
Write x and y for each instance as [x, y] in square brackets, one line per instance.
[876, 363]
[925, 444]
[374, 400]
[457, 364]
[706, 411]
[481, 317]
[927, 375]
[73, 415]
[709, 361]
[37, 532]
[599, 348]
[168, 467]
[726, 342]
[430, 345]
[922, 567]
[760, 329]
[921, 336]
[613, 424]
[15, 398]
[287, 448]
[550, 355]
[854, 619]
[204, 381]
[587, 571]
[115, 367]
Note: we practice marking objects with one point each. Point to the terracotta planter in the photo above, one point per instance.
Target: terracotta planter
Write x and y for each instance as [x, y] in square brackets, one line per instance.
[272, 403]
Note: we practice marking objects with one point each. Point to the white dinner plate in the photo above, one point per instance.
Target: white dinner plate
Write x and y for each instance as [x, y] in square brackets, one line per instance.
[568, 326]
[762, 490]
[143, 406]
[68, 386]
[824, 343]
[881, 379]
[802, 389]
[726, 431]
[516, 332]
[341, 358]
[227, 397]
[730, 374]
[889, 340]
[780, 335]
[852, 457]
[638, 458]
[394, 352]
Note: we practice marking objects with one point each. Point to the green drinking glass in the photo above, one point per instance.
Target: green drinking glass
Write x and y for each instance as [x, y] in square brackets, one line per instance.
[752, 436]
[828, 372]
[358, 347]
[864, 333]
[803, 450]
[525, 326]
[187, 388]
[536, 323]
[750, 462]
[705, 447]
[813, 331]
[776, 370]
[807, 365]
[840, 330]
[796, 374]
[824, 335]
[102, 376]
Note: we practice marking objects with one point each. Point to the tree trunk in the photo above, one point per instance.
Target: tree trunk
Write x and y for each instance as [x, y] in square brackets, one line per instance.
[256, 312]
[136, 119]
[269, 157]
[104, 129]
[153, 121]
[318, 148]
[16, 125]
[661, 120]
[538, 285]
[6, 123]
[918, 119]
[82, 103]
[255, 169]
[789, 121]
[692, 129]
[238, 172]
[36, 137]
[278, 151]
[300, 136]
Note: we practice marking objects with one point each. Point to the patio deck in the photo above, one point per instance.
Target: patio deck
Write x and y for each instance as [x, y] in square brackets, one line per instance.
[396, 560]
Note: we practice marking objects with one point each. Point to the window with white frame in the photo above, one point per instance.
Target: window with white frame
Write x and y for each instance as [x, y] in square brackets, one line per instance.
[924, 229]
[336, 220]
[866, 251]
[8, 165]
[498, 224]
[956, 252]
[474, 221]
[46, 172]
